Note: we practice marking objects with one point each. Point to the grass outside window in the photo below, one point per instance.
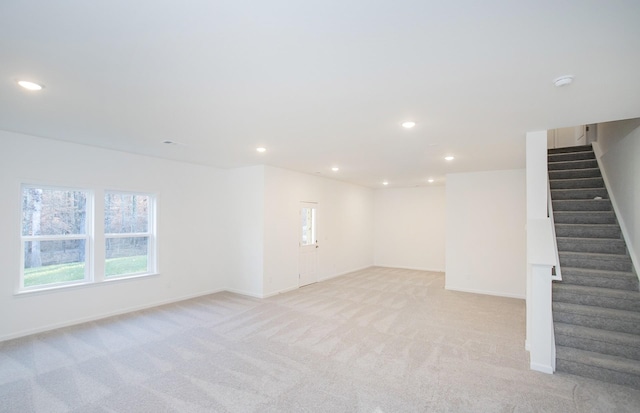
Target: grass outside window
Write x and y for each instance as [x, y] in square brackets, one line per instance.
[75, 271]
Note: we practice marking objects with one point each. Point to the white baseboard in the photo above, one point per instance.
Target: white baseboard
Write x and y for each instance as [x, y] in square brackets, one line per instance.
[54, 326]
[485, 292]
[344, 273]
[243, 292]
[295, 287]
[543, 368]
[121, 311]
[284, 290]
[402, 267]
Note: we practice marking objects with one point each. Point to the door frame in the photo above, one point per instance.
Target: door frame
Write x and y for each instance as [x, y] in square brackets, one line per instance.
[314, 244]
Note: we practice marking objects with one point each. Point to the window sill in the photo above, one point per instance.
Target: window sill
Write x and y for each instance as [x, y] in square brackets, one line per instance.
[75, 286]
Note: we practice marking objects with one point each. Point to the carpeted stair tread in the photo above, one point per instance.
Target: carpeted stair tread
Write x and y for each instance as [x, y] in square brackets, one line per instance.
[600, 273]
[580, 193]
[596, 306]
[575, 173]
[570, 156]
[609, 319]
[599, 360]
[579, 164]
[606, 231]
[584, 217]
[600, 278]
[576, 183]
[609, 262]
[580, 148]
[592, 245]
[612, 369]
[582, 205]
[607, 292]
[614, 343]
[596, 296]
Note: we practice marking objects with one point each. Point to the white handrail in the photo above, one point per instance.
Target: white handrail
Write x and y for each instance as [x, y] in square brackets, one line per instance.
[558, 273]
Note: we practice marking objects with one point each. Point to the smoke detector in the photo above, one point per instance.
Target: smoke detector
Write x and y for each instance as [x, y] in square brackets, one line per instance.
[563, 81]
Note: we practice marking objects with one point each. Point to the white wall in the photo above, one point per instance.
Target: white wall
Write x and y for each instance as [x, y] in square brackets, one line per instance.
[192, 257]
[409, 227]
[345, 226]
[610, 133]
[486, 241]
[244, 229]
[620, 160]
[244, 236]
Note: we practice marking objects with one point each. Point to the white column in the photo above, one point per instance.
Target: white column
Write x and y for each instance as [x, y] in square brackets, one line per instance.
[537, 177]
[540, 257]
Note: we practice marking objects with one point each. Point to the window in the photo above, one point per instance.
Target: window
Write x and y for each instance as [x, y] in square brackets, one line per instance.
[55, 237]
[128, 235]
[308, 215]
[58, 236]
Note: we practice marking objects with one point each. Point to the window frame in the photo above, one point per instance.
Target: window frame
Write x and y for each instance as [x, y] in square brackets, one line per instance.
[88, 238]
[150, 234]
[95, 237]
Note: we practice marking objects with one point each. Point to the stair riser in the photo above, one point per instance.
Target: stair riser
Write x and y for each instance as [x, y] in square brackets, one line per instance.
[597, 246]
[576, 183]
[575, 174]
[582, 205]
[589, 193]
[556, 166]
[571, 156]
[588, 231]
[596, 373]
[596, 301]
[570, 149]
[612, 349]
[620, 283]
[583, 218]
[623, 265]
[603, 323]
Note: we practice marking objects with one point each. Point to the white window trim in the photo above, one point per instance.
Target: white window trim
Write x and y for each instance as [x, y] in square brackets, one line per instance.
[150, 234]
[87, 236]
[94, 258]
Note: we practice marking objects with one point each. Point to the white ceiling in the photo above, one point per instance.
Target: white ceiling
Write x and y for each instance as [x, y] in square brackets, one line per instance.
[318, 82]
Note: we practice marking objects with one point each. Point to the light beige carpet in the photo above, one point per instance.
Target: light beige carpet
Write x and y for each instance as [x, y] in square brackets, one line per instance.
[379, 340]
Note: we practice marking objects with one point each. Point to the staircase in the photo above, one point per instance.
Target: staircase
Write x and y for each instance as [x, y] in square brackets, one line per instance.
[596, 306]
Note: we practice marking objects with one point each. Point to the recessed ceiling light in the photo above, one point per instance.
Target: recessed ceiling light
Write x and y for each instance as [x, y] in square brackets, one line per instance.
[385, 183]
[29, 85]
[261, 149]
[431, 180]
[449, 158]
[168, 142]
[335, 169]
[408, 124]
[563, 81]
